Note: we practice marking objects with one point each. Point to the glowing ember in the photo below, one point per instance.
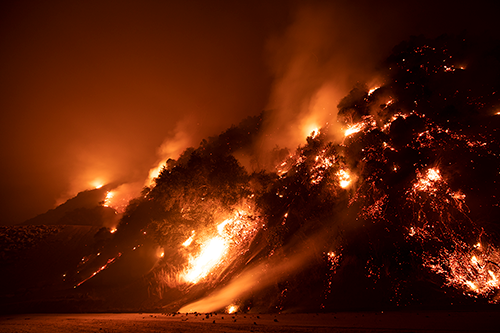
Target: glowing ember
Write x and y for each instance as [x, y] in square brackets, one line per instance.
[344, 178]
[112, 230]
[322, 163]
[427, 182]
[103, 267]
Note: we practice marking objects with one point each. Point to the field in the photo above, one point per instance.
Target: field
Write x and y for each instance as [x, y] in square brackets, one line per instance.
[332, 322]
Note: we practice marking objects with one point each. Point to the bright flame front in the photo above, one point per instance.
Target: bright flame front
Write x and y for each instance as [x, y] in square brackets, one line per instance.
[209, 257]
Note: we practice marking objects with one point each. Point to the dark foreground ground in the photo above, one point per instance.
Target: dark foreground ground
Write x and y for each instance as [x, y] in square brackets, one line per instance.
[333, 322]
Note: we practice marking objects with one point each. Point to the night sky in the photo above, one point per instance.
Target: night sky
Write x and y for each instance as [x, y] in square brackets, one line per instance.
[104, 90]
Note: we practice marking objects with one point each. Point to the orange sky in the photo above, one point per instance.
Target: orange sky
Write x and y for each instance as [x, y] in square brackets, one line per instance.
[93, 88]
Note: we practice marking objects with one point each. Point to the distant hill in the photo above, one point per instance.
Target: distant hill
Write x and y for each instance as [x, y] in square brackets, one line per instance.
[84, 209]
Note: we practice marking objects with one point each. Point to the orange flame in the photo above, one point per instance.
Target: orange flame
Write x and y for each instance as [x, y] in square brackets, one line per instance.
[344, 178]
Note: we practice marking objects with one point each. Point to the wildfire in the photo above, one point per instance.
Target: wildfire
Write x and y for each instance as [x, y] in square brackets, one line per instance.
[428, 181]
[103, 267]
[371, 91]
[232, 309]
[367, 122]
[107, 200]
[210, 255]
[344, 178]
[160, 252]
[189, 240]
[354, 129]
[471, 268]
[477, 274]
[97, 183]
[322, 162]
[315, 133]
[230, 234]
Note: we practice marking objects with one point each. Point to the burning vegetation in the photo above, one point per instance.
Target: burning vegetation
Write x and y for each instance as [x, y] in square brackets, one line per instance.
[403, 210]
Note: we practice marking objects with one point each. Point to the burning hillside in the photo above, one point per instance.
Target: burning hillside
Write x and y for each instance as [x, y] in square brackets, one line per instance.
[402, 211]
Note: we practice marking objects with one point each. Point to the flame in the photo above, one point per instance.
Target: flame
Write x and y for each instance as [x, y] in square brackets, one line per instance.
[354, 129]
[189, 240]
[428, 181]
[471, 285]
[230, 233]
[154, 173]
[100, 269]
[232, 309]
[160, 252]
[97, 183]
[209, 257]
[471, 268]
[107, 200]
[371, 91]
[322, 162]
[310, 129]
[315, 133]
[344, 178]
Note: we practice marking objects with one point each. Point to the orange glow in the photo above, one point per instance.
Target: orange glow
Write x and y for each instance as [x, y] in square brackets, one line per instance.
[344, 178]
[354, 129]
[209, 257]
[189, 240]
[216, 249]
[314, 133]
[322, 162]
[97, 183]
[232, 309]
[428, 181]
[154, 173]
[371, 91]
[471, 285]
[112, 230]
[107, 200]
[311, 129]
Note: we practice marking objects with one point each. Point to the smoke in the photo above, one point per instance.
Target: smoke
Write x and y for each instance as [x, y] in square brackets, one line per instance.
[315, 63]
[332, 46]
[179, 139]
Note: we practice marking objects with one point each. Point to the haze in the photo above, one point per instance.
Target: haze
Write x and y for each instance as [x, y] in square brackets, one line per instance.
[102, 91]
